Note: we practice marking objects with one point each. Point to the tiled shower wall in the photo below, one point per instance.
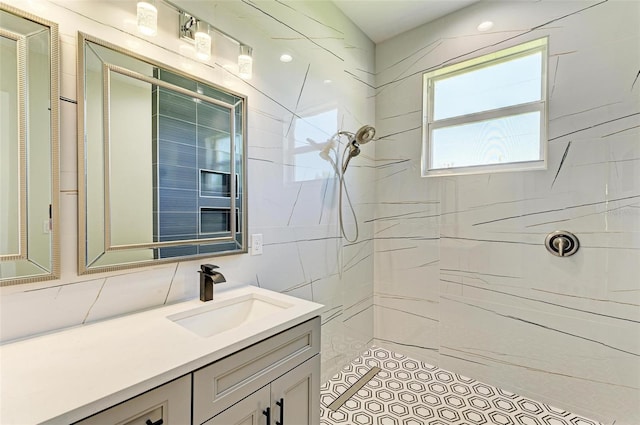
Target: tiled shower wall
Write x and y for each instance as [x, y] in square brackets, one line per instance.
[294, 109]
[462, 278]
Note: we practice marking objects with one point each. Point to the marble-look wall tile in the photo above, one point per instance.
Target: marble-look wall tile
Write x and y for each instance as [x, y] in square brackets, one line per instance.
[143, 289]
[502, 342]
[42, 310]
[496, 305]
[294, 108]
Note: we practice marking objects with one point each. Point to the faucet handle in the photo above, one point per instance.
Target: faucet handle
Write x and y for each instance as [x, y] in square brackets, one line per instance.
[208, 268]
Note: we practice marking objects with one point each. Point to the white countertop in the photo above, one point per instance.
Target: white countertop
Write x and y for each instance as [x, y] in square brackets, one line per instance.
[68, 375]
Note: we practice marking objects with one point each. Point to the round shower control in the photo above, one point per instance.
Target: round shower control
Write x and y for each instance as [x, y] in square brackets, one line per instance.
[562, 243]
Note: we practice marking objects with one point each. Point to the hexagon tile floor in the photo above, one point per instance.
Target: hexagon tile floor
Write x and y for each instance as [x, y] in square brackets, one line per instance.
[409, 392]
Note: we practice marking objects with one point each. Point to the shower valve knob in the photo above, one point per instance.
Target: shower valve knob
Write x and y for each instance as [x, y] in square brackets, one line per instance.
[561, 243]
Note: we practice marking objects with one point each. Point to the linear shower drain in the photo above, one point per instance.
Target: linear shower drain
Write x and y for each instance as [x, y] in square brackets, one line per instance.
[349, 392]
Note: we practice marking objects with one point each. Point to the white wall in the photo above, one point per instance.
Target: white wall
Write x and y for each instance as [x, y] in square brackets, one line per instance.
[303, 253]
[462, 278]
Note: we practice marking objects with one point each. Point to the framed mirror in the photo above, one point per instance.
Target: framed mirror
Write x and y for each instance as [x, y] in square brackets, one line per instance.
[162, 162]
[29, 185]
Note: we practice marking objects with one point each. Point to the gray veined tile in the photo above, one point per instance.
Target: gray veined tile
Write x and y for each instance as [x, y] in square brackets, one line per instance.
[178, 200]
[177, 106]
[176, 154]
[214, 117]
[177, 131]
[178, 177]
[176, 79]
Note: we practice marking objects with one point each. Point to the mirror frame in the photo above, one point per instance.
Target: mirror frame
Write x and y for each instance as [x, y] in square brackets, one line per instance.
[54, 143]
[83, 267]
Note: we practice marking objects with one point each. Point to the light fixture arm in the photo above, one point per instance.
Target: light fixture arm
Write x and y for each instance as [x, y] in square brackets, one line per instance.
[182, 12]
[188, 25]
[188, 22]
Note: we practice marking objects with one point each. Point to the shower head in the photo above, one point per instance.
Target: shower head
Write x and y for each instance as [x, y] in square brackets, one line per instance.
[365, 134]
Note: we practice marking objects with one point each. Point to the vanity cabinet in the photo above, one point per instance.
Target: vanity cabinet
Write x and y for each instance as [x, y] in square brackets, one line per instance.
[167, 404]
[292, 399]
[295, 396]
[271, 362]
[280, 373]
[249, 411]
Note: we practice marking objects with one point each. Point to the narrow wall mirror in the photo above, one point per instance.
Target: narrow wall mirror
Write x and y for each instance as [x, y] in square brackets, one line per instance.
[29, 101]
[162, 162]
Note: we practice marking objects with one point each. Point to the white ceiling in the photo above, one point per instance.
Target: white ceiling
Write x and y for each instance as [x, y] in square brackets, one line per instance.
[383, 19]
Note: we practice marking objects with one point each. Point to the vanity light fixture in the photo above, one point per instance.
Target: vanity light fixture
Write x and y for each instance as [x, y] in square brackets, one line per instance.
[202, 41]
[197, 32]
[147, 18]
[245, 62]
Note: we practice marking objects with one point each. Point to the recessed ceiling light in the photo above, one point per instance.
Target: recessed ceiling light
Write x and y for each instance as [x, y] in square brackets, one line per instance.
[328, 81]
[286, 58]
[485, 26]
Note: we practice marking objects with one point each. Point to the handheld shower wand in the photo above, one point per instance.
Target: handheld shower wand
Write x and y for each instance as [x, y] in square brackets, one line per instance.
[354, 150]
[364, 135]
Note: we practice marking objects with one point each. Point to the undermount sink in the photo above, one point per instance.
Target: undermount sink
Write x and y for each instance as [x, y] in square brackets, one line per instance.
[222, 316]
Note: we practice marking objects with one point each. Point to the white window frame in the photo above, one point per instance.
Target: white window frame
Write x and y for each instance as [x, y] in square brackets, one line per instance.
[505, 55]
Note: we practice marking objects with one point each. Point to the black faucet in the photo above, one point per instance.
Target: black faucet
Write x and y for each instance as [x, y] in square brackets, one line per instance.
[208, 277]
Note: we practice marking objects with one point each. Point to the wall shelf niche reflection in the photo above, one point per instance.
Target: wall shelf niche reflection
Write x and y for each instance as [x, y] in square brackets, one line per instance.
[216, 184]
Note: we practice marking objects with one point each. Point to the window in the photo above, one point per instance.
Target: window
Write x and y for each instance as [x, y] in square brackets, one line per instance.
[487, 114]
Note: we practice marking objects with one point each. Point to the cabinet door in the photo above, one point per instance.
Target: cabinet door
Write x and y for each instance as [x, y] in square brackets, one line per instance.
[295, 396]
[169, 404]
[248, 411]
[221, 384]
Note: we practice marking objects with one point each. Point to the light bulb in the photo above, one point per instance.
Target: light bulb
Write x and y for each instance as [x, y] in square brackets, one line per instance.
[485, 26]
[202, 41]
[245, 62]
[147, 15]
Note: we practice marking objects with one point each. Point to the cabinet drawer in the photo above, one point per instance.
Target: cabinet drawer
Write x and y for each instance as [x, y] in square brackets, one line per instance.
[221, 384]
[170, 403]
